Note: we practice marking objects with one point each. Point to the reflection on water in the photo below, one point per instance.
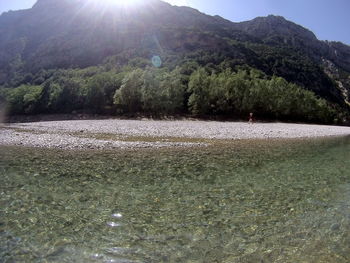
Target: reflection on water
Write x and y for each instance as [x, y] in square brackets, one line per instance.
[256, 201]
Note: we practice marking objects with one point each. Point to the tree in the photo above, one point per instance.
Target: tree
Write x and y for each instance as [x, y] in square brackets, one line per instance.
[152, 95]
[100, 89]
[199, 101]
[173, 88]
[128, 97]
[24, 99]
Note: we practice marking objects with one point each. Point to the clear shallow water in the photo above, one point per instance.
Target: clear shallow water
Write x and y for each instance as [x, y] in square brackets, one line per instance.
[256, 201]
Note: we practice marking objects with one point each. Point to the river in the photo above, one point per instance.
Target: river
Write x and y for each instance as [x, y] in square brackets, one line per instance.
[245, 201]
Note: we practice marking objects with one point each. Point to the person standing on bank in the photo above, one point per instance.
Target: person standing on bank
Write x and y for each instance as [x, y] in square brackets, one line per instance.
[251, 117]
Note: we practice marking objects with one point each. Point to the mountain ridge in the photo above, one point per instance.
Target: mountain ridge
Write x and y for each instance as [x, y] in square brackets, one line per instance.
[256, 28]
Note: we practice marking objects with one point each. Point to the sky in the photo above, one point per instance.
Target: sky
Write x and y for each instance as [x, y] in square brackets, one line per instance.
[328, 19]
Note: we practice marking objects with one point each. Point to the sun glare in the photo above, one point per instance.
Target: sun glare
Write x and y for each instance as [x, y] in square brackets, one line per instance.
[131, 3]
[178, 2]
[136, 2]
[118, 2]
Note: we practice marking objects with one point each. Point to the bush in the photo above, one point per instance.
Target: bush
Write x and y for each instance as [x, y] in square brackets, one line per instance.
[24, 99]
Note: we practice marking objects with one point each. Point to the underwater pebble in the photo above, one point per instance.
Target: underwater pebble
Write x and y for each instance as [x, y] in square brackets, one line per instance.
[335, 227]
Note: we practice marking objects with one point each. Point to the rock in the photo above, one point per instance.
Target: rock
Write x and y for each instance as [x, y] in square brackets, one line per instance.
[335, 227]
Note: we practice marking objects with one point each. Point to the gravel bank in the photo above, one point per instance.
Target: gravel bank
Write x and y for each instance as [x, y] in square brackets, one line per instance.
[81, 134]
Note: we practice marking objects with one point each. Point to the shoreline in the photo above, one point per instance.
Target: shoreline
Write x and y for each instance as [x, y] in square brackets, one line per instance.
[140, 134]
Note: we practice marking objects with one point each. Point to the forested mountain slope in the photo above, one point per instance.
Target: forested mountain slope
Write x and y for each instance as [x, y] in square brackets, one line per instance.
[81, 39]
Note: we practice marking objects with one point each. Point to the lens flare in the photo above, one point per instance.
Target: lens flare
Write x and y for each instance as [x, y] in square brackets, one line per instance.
[156, 61]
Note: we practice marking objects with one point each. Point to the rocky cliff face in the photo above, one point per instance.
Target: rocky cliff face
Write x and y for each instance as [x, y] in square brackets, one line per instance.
[341, 78]
[73, 33]
[339, 54]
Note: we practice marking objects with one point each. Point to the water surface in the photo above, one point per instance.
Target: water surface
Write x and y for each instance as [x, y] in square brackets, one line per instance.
[246, 201]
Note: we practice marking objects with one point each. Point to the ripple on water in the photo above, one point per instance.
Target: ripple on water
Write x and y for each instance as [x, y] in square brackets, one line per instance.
[120, 260]
[114, 224]
[117, 215]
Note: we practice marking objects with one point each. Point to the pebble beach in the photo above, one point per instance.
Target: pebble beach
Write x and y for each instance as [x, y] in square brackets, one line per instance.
[135, 134]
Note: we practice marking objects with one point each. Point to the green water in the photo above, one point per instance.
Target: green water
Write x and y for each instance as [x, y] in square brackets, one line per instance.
[249, 201]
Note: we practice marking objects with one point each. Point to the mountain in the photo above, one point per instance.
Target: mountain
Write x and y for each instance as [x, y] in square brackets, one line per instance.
[331, 57]
[61, 34]
[276, 30]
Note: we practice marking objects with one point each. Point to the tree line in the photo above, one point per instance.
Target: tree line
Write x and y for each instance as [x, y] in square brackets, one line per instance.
[188, 89]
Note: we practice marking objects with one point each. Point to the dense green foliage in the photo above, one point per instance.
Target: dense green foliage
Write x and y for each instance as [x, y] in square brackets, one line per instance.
[238, 93]
[187, 89]
[152, 91]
